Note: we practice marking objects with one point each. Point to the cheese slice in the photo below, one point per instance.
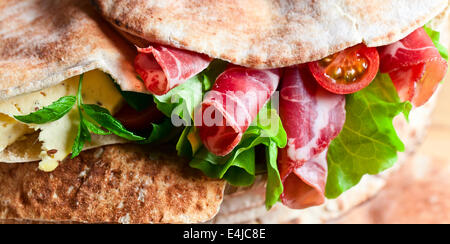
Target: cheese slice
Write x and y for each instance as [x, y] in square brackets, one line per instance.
[194, 139]
[11, 131]
[57, 137]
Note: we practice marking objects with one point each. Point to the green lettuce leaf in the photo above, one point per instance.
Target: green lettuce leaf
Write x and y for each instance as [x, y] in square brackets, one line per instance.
[182, 100]
[368, 143]
[435, 37]
[274, 186]
[238, 167]
[184, 147]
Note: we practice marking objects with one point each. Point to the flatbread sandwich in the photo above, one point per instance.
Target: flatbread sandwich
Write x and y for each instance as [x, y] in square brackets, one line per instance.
[150, 121]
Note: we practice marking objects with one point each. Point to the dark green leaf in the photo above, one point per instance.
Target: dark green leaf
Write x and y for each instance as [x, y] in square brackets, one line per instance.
[82, 137]
[238, 170]
[51, 113]
[162, 132]
[79, 95]
[95, 128]
[138, 101]
[106, 120]
[184, 148]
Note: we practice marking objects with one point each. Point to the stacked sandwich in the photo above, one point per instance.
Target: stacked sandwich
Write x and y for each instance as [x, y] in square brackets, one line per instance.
[298, 96]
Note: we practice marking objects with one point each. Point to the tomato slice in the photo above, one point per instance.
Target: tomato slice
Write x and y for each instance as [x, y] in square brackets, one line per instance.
[347, 71]
[138, 120]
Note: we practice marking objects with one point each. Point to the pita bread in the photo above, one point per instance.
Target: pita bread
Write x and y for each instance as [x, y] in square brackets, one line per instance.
[31, 195]
[113, 184]
[28, 148]
[269, 33]
[43, 42]
[418, 193]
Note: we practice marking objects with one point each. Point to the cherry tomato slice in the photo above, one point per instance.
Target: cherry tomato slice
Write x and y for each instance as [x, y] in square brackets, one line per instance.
[138, 120]
[347, 71]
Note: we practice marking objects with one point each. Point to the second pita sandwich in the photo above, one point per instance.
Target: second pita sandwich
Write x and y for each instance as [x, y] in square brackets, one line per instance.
[301, 94]
[307, 95]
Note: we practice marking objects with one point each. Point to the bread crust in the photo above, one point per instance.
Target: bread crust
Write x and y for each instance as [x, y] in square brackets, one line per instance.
[44, 42]
[269, 33]
[113, 184]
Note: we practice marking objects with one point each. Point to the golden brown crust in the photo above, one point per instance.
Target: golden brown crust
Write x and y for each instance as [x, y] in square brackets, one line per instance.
[43, 42]
[269, 33]
[113, 184]
[28, 148]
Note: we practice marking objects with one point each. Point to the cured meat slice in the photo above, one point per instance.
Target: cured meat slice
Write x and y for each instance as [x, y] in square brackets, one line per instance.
[233, 103]
[162, 68]
[414, 65]
[312, 117]
[304, 186]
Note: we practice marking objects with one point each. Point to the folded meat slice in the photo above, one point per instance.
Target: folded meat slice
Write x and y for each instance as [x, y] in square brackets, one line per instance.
[414, 65]
[233, 103]
[312, 117]
[162, 68]
[304, 186]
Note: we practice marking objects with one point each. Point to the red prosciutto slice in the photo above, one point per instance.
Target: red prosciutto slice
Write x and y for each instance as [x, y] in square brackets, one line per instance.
[312, 117]
[304, 186]
[233, 103]
[414, 65]
[162, 68]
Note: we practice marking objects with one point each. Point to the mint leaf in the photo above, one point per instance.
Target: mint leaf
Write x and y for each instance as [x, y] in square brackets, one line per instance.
[95, 128]
[82, 137]
[106, 120]
[51, 113]
[368, 143]
[79, 95]
[83, 134]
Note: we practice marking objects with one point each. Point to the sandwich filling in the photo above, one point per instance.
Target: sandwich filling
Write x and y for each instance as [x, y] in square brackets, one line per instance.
[57, 136]
[314, 129]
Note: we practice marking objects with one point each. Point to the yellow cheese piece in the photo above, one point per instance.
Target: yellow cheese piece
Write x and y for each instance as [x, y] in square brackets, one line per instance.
[194, 139]
[11, 131]
[57, 137]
